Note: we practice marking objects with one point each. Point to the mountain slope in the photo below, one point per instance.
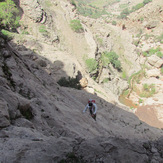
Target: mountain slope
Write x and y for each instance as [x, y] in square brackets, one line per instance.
[41, 121]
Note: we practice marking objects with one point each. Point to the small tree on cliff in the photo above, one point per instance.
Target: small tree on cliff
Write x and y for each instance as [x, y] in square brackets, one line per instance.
[9, 18]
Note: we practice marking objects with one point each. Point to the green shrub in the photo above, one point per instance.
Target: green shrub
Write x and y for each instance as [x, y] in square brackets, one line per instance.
[42, 29]
[91, 64]
[24, 32]
[141, 19]
[162, 70]
[147, 1]
[70, 82]
[113, 58]
[136, 42]
[90, 10]
[136, 77]
[140, 100]
[124, 13]
[106, 80]
[105, 60]
[117, 64]
[126, 92]
[122, 6]
[160, 38]
[159, 54]
[124, 75]
[152, 52]
[148, 90]
[114, 23]
[76, 26]
[138, 6]
[9, 14]
[8, 35]
[99, 40]
[73, 3]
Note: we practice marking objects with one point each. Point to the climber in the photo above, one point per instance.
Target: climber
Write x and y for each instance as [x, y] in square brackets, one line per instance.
[92, 108]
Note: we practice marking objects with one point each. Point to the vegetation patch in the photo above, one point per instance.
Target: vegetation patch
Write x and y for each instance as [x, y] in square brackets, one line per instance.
[70, 82]
[114, 22]
[72, 158]
[126, 11]
[162, 70]
[113, 58]
[106, 80]
[148, 90]
[136, 42]
[122, 6]
[99, 40]
[153, 51]
[137, 7]
[48, 3]
[91, 64]
[125, 93]
[94, 9]
[124, 75]
[73, 3]
[105, 60]
[160, 38]
[9, 15]
[76, 26]
[42, 29]
[140, 100]
[7, 35]
[136, 77]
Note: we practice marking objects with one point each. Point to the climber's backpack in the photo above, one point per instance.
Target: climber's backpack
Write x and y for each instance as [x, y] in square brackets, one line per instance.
[93, 101]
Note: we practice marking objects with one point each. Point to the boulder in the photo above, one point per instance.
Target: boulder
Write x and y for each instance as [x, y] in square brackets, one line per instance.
[42, 62]
[90, 90]
[33, 10]
[83, 82]
[155, 61]
[153, 73]
[152, 24]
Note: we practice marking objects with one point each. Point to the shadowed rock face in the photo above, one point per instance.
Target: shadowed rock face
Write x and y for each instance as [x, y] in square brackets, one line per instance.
[42, 122]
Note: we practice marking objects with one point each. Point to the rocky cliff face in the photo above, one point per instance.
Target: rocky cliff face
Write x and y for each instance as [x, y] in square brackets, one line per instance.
[43, 122]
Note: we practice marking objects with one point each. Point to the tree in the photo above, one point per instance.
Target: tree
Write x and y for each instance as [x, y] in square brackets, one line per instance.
[8, 14]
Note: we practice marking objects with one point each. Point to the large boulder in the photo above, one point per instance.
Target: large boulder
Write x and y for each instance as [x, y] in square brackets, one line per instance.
[83, 82]
[153, 73]
[155, 61]
[112, 83]
[152, 24]
[33, 10]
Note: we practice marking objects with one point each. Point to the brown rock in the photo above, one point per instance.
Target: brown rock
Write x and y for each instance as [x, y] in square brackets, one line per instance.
[83, 82]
